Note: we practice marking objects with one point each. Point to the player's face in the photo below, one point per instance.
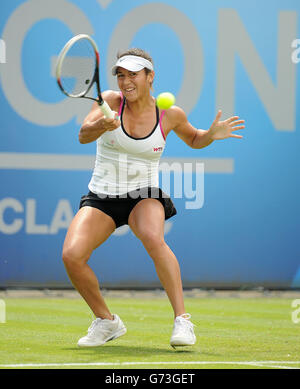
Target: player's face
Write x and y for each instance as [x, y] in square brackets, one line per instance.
[134, 85]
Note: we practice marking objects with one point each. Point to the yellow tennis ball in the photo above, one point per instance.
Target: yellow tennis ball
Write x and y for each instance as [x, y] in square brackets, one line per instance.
[165, 100]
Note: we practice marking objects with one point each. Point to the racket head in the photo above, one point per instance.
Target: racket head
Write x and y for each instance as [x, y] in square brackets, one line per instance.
[77, 67]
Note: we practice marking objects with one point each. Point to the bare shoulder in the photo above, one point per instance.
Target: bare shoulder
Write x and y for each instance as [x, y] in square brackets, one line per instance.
[173, 118]
[176, 113]
[113, 99]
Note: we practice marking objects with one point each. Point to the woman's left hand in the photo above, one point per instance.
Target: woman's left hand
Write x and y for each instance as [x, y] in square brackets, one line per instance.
[223, 129]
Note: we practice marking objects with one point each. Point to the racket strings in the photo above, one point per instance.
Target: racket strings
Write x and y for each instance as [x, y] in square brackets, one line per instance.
[78, 68]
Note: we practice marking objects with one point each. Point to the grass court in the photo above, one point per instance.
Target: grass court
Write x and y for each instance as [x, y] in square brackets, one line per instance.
[232, 333]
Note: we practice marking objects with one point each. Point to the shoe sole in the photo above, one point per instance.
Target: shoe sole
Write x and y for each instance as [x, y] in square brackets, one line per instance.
[118, 334]
[178, 343]
[115, 336]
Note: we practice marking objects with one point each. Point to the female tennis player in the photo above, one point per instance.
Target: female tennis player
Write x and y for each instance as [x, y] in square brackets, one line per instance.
[124, 189]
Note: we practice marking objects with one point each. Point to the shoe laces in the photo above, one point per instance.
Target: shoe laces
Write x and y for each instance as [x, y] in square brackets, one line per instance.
[99, 323]
[93, 325]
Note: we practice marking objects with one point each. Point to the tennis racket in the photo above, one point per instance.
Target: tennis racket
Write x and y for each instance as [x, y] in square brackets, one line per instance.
[77, 70]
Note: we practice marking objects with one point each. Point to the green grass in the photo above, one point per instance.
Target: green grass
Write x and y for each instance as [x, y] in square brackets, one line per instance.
[45, 330]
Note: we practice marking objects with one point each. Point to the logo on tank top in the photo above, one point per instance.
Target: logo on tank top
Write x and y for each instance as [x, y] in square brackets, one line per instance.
[157, 149]
[111, 143]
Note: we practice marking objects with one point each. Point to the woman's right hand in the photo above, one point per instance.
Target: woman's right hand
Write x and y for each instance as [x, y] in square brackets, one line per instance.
[109, 124]
[91, 131]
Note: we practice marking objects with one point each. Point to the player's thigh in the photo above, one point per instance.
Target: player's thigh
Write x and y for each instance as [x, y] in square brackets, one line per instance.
[147, 221]
[88, 230]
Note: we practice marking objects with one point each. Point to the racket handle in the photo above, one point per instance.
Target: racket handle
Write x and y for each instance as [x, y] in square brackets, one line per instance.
[105, 108]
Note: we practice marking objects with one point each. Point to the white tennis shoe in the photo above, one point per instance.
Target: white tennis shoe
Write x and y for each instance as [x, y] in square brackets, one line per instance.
[183, 331]
[102, 331]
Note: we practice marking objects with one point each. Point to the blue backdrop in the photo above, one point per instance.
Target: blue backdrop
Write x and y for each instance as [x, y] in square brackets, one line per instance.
[241, 57]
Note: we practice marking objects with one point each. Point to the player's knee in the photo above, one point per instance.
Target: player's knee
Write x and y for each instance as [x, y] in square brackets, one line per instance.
[152, 240]
[72, 258]
[68, 257]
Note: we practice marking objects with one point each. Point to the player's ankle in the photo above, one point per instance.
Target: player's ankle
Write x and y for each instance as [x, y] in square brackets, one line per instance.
[106, 316]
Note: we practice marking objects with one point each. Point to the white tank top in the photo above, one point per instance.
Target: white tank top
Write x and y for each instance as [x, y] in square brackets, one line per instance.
[124, 163]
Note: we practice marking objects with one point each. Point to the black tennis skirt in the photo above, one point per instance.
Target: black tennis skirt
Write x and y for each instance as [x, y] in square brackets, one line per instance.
[120, 206]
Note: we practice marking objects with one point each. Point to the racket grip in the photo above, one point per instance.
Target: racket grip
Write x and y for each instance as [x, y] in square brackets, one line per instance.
[105, 108]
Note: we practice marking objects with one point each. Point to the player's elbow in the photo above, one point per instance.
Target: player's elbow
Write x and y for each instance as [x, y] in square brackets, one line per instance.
[191, 141]
[83, 136]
